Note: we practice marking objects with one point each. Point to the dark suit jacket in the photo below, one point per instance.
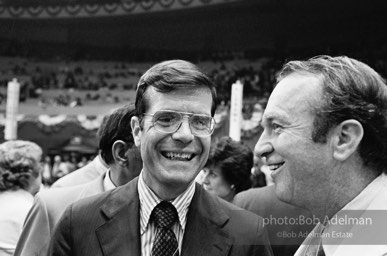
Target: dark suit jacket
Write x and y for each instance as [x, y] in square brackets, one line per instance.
[285, 235]
[108, 224]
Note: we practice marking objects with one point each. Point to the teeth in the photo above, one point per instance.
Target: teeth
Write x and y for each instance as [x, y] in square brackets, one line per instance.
[275, 166]
[178, 156]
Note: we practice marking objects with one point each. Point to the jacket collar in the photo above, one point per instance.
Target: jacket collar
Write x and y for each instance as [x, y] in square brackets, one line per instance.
[121, 211]
[203, 234]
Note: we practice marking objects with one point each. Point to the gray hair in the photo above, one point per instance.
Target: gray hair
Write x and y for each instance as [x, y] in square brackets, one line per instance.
[18, 162]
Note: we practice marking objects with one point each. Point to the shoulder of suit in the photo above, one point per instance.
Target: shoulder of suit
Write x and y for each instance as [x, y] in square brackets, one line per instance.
[54, 198]
[232, 210]
[82, 175]
[114, 196]
[56, 193]
[94, 200]
[254, 194]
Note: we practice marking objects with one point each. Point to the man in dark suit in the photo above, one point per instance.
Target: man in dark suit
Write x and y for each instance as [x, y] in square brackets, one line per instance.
[287, 225]
[164, 212]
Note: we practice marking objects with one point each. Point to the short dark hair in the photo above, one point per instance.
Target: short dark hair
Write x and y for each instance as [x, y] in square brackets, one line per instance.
[172, 75]
[115, 126]
[235, 161]
[19, 161]
[351, 90]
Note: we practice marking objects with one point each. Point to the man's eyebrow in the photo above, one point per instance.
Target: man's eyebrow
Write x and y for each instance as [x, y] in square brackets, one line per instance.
[270, 117]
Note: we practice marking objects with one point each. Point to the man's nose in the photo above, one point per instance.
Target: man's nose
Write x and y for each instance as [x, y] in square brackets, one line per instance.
[183, 133]
[263, 146]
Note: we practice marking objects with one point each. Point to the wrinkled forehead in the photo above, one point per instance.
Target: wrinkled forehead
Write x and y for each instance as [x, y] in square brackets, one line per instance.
[296, 92]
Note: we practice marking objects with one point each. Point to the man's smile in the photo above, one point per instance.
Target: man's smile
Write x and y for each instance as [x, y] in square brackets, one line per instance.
[178, 156]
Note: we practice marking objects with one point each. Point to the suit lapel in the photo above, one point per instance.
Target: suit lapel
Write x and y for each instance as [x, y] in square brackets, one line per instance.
[120, 234]
[203, 234]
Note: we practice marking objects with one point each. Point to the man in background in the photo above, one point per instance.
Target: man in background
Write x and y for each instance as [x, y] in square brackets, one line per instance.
[124, 161]
[92, 170]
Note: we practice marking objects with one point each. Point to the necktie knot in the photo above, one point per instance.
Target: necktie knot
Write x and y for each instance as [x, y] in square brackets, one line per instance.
[164, 215]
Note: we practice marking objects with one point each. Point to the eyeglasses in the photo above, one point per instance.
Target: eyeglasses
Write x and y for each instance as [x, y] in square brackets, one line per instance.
[169, 121]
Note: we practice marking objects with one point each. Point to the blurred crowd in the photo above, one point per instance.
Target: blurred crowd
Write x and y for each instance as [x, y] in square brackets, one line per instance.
[57, 166]
[76, 83]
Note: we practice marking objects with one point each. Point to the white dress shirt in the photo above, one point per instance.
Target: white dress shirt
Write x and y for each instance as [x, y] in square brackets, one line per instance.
[107, 182]
[359, 228]
[148, 201]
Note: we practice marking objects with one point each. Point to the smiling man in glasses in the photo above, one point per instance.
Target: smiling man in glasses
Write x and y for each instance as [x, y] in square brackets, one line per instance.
[164, 212]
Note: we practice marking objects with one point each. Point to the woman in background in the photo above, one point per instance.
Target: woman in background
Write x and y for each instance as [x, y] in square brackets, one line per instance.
[20, 180]
[228, 168]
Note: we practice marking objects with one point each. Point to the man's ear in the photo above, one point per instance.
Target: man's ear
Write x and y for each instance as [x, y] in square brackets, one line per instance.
[118, 151]
[136, 130]
[347, 137]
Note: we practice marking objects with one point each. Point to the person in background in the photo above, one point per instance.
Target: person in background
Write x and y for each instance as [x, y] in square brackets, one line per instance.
[59, 168]
[47, 169]
[164, 212]
[91, 170]
[124, 160]
[325, 141]
[20, 180]
[228, 168]
[83, 175]
[70, 163]
[260, 173]
[83, 162]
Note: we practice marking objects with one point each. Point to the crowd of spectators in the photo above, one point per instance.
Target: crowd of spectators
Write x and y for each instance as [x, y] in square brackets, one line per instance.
[54, 82]
[57, 166]
[61, 82]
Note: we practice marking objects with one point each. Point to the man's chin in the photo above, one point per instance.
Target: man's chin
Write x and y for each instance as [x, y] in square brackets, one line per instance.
[282, 194]
[178, 179]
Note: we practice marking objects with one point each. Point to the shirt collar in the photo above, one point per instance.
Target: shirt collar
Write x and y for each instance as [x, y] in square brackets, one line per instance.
[362, 201]
[107, 182]
[149, 200]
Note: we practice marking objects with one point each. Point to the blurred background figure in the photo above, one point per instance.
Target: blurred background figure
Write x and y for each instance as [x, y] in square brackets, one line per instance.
[260, 173]
[20, 180]
[228, 168]
[84, 161]
[59, 168]
[47, 169]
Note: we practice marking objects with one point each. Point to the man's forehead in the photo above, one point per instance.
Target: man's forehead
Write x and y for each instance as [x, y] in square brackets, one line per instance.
[180, 99]
[298, 85]
[295, 93]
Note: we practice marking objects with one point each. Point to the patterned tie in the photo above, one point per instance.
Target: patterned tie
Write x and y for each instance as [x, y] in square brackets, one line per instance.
[165, 244]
